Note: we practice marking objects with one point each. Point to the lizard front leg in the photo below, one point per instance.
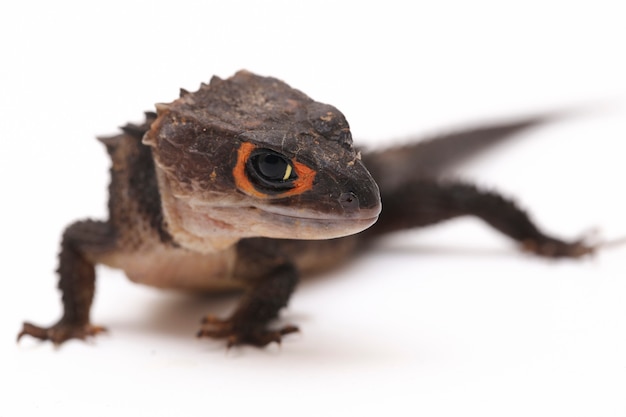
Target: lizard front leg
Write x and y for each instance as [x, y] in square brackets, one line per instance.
[248, 325]
[272, 280]
[76, 282]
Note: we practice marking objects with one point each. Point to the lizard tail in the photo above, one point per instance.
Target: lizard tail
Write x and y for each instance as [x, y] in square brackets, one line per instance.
[434, 156]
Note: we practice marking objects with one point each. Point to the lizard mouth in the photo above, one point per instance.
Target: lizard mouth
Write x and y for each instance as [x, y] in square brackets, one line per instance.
[239, 220]
[207, 227]
[275, 222]
[354, 215]
[311, 225]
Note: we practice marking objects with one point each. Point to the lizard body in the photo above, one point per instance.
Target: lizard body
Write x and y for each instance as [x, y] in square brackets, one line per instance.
[248, 184]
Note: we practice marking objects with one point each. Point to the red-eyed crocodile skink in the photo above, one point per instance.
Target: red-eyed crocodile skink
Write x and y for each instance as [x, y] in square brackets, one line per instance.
[247, 184]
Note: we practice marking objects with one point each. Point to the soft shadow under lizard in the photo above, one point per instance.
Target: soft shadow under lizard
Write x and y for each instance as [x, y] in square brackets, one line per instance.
[247, 184]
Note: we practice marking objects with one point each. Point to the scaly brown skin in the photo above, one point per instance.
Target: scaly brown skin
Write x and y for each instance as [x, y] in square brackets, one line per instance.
[247, 184]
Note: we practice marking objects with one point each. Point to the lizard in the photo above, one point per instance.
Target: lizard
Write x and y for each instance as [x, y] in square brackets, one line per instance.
[247, 184]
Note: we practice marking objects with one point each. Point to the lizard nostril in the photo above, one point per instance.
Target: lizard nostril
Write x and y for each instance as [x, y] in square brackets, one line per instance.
[349, 201]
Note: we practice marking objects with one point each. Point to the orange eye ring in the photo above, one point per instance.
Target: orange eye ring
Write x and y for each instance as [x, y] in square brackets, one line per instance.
[303, 182]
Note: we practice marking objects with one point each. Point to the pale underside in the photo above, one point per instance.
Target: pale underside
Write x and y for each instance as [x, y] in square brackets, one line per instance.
[163, 266]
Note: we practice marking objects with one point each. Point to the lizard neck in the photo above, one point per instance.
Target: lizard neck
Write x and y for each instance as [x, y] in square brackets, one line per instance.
[191, 228]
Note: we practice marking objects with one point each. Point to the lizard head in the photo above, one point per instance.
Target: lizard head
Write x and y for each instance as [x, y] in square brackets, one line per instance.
[251, 157]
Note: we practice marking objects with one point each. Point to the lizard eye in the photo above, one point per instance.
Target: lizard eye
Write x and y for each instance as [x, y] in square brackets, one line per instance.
[271, 170]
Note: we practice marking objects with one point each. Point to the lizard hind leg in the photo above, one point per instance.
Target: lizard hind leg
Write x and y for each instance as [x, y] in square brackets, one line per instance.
[424, 202]
[76, 282]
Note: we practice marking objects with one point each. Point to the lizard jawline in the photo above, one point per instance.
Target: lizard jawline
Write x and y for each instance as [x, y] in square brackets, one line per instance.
[210, 229]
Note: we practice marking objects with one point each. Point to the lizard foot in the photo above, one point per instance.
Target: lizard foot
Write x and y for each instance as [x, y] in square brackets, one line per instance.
[554, 248]
[60, 332]
[255, 334]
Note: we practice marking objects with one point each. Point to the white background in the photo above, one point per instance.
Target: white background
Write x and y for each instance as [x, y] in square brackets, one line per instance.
[450, 321]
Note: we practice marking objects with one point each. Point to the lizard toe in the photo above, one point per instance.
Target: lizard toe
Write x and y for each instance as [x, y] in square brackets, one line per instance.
[60, 332]
[238, 334]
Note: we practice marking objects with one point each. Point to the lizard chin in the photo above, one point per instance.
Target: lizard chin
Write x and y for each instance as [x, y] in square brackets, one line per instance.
[210, 229]
[214, 229]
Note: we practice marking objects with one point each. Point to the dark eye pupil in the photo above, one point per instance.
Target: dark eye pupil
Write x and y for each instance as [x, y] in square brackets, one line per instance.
[270, 171]
[273, 167]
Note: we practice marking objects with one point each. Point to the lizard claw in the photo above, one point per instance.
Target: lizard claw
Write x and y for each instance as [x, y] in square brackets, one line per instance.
[587, 245]
[559, 249]
[555, 248]
[60, 332]
[237, 334]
